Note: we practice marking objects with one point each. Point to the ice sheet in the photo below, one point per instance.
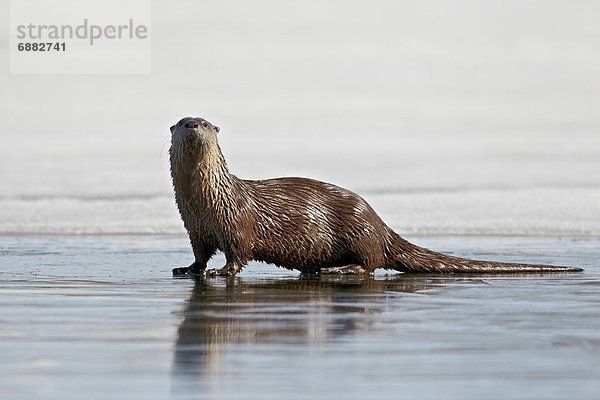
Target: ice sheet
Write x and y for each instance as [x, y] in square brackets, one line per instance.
[449, 118]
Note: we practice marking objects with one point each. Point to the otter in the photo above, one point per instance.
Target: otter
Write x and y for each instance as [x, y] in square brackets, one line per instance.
[295, 223]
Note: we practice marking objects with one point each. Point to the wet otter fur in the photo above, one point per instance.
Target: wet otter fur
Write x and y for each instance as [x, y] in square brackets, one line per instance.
[294, 223]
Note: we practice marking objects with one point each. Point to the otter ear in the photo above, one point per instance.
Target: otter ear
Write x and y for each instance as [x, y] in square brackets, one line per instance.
[217, 129]
[172, 129]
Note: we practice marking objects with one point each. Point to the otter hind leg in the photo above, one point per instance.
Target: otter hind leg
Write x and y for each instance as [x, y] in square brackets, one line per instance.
[230, 269]
[344, 270]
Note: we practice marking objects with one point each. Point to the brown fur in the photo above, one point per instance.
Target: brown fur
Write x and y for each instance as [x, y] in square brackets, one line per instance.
[295, 223]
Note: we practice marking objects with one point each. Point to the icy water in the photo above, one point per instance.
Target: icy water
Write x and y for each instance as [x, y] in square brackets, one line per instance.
[100, 317]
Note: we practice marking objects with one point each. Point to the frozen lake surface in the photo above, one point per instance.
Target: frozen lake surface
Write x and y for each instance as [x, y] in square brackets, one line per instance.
[100, 317]
[449, 118]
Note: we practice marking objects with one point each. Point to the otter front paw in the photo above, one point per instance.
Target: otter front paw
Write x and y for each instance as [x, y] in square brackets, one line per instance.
[180, 271]
[196, 269]
[227, 270]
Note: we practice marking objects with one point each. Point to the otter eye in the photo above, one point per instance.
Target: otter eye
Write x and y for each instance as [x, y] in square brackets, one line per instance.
[204, 124]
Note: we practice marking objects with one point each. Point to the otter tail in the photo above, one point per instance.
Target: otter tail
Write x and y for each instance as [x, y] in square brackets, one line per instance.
[407, 257]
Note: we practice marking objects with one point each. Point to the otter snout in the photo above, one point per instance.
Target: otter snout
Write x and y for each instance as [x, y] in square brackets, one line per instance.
[195, 127]
[192, 124]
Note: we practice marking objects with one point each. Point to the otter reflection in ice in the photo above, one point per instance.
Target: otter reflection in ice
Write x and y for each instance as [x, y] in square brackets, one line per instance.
[221, 314]
[294, 223]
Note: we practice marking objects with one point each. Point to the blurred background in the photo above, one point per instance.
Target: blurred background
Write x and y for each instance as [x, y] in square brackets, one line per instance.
[449, 117]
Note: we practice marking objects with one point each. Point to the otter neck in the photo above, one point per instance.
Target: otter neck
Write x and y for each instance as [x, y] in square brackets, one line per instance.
[211, 172]
[201, 177]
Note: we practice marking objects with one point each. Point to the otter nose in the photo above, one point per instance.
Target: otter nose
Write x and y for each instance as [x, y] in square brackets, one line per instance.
[191, 124]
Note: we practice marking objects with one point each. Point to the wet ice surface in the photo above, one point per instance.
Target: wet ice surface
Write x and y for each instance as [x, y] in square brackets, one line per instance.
[100, 317]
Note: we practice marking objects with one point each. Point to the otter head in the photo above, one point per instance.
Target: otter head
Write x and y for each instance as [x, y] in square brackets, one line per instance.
[193, 132]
